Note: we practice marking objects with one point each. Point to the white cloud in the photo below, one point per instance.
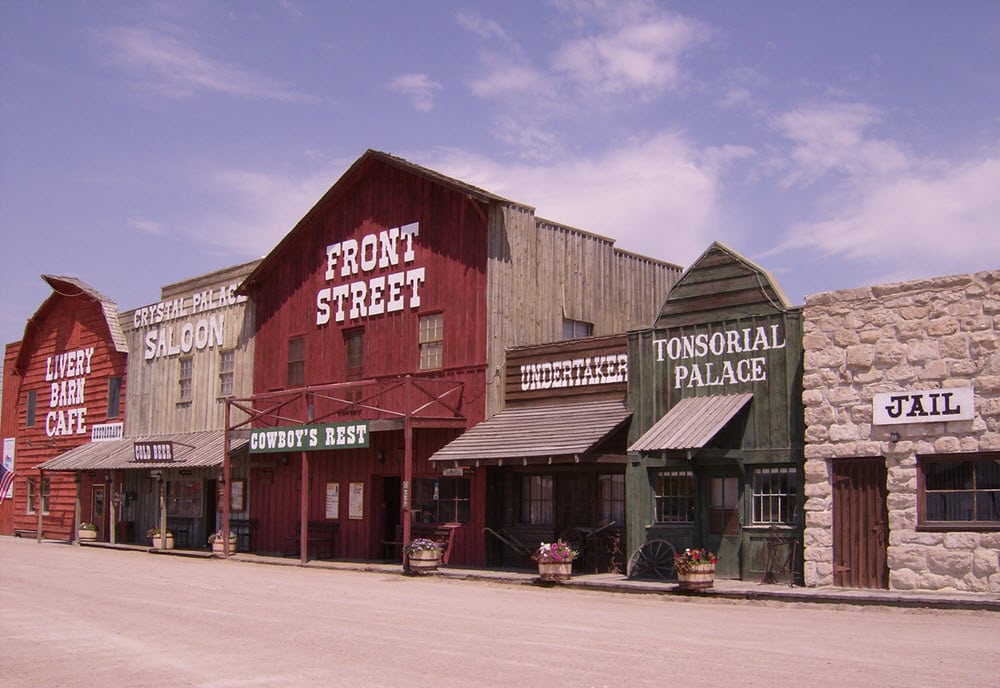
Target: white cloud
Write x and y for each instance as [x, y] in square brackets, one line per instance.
[171, 67]
[146, 226]
[654, 196]
[418, 88]
[486, 29]
[930, 223]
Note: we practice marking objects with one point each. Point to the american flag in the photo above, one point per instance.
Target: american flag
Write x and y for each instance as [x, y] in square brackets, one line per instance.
[6, 480]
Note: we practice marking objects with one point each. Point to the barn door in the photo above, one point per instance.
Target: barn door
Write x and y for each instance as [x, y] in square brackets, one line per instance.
[724, 532]
[97, 505]
[860, 524]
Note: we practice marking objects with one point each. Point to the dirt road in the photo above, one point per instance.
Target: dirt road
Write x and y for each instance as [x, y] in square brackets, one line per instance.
[72, 616]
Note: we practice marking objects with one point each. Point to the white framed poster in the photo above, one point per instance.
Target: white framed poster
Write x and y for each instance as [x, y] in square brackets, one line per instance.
[356, 501]
[333, 500]
[8, 464]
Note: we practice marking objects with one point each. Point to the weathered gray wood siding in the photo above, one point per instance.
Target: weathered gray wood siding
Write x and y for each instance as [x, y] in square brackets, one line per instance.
[153, 391]
[573, 274]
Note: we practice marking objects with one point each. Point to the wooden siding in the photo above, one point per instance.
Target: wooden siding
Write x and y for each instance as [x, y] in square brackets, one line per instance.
[154, 390]
[541, 272]
[8, 425]
[63, 324]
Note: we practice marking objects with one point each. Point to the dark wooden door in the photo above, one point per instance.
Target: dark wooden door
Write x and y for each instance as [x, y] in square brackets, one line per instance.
[860, 524]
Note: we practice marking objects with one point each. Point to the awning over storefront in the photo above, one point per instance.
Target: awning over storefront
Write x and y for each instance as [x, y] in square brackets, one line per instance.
[190, 450]
[557, 433]
[691, 423]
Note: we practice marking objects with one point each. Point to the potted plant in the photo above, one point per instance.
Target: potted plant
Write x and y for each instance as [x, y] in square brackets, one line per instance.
[555, 561]
[218, 542]
[695, 569]
[154, 535]
[86, 532]
[422, 555]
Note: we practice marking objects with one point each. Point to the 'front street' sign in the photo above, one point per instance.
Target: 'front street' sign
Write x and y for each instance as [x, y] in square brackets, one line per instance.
[316, 437]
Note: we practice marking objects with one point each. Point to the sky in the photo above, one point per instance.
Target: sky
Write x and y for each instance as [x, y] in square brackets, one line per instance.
[836, 144]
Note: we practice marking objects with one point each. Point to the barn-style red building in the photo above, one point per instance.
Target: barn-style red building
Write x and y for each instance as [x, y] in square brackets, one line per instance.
[385, 315]
[64, 385]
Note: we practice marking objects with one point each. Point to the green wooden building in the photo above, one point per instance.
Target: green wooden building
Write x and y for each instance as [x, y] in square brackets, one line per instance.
[716, 440]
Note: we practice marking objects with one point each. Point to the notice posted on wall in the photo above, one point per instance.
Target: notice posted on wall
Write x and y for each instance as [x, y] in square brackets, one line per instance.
[357, 501]
[333, 500]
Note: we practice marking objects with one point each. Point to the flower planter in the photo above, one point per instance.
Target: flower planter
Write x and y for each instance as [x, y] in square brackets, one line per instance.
[698, 577]
[218, 546]
[86, 535]
[550, 571]
[424, 560]
[156, 541]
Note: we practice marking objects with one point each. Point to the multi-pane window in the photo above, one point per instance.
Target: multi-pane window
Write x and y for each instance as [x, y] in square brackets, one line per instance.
[536, 500]
[441, 500]
[33, 495]
[354, 345]
[575, 329]
[674, 496]
[185, 379]
[32, 406]
[296, 361]
[431, 341]
[612, 498]
[960, 490]
[114, 396]
[775, 495]
[227, 372]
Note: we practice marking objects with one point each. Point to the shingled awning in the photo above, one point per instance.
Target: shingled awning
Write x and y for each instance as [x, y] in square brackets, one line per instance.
[191, 450]
[562, 433]
[691, 423]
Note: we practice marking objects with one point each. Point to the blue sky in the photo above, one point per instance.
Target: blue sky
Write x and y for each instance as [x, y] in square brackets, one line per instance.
[838, 144]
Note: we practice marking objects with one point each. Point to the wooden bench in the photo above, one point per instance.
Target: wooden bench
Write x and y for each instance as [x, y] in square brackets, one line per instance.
[243, 527]
[322, 534]
[27, 532]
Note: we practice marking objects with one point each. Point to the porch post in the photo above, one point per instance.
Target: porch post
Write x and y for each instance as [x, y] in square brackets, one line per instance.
[163, 510]
[407, 478]
[112, 508]
[77, 509]
[304, 511]
[226, 485]
[39, 508]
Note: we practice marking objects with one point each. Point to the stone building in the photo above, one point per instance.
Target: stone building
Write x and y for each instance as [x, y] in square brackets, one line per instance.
[901, 390]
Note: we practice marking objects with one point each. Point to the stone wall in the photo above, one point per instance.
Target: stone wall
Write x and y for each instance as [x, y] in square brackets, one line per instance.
[928, 334]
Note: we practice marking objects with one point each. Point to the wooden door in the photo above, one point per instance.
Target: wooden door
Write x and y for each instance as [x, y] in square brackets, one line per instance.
[860, 524]
[724, 532]
[97, 510]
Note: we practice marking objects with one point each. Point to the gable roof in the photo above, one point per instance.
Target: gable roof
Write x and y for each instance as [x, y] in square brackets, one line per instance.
[71, 286]
[720, 285]
[369, 158]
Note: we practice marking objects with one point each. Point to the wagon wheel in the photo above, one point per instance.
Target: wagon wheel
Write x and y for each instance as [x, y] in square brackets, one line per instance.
[654, 559]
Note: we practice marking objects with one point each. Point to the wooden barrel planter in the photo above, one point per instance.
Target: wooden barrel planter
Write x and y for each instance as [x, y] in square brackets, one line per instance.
[424, 561]
[156, 541]
[552, 571]
[697, 577]
[218, 546]
[86, 535]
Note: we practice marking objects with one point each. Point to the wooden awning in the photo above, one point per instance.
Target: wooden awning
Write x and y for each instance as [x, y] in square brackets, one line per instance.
[191, 450]
[691, 423]
[557, 433]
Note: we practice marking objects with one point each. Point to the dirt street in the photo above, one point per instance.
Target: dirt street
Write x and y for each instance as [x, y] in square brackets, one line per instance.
[74, 616]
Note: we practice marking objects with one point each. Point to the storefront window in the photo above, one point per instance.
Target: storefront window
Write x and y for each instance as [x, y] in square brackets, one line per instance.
[612, 493]
[536, 500]
[960, 490]
[775, 496]
[674, 495]
[441, 500]
[184, 498]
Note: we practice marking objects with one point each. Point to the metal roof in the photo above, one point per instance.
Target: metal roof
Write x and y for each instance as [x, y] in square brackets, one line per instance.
[537, 431]
[691, 423]
[191, 450]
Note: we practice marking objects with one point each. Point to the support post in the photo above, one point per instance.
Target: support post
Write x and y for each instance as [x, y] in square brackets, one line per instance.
[227, 486]
[77, 509]
[39, 507]
[304, 511]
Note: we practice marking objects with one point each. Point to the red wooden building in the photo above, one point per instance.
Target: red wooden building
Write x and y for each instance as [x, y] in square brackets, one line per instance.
[388, 309]
[64, 383]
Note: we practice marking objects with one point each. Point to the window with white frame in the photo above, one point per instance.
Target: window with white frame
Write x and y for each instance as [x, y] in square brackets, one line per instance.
[959, 490]
[296, 362]
[33, 495]
[185, 379]
[673, 492]
[227, 372]
[431, 341]
[775, 496]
